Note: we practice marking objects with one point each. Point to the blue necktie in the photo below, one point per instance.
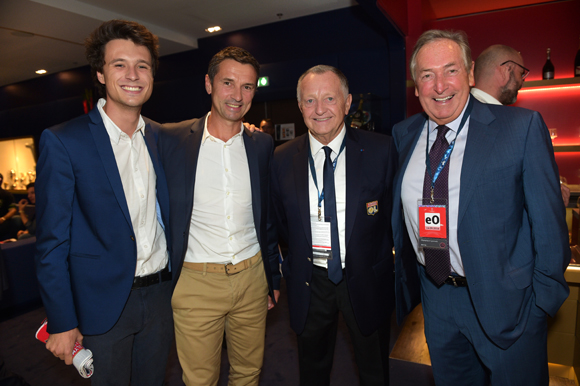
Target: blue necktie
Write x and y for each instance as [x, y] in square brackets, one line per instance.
[437, 261]
[334, 264]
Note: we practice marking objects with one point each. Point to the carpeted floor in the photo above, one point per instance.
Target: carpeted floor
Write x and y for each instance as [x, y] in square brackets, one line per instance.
[24, 355]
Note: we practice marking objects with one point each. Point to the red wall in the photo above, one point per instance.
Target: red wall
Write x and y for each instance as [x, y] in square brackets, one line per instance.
[530, 30]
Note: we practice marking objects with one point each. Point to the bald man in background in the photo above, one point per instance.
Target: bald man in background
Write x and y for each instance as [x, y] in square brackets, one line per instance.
[499, 74]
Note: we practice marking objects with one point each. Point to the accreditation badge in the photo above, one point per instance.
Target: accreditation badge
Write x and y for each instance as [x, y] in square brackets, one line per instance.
[372, 208]
[321, 239]
[433, 232]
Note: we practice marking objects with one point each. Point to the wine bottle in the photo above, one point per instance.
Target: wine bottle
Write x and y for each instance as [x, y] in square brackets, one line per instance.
[357, 119]
[577, 64]
[548, 69]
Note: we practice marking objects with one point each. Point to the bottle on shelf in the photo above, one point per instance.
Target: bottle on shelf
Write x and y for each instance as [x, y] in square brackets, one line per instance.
[577, 64]
[358, 117]
[548, 69]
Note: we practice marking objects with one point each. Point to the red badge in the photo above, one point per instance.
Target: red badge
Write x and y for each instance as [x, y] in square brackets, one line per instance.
[433, 221]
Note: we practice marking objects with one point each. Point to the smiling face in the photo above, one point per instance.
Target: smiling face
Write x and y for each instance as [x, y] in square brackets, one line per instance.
[127, 76]
[323, 105]
[442, 82]
[232, 91]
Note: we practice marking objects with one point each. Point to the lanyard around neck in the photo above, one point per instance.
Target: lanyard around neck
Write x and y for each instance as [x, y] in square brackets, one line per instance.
[313, 172]
[447, 154]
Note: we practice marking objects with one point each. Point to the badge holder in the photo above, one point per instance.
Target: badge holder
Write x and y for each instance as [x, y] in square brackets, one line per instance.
[321, 238]
[433, 231]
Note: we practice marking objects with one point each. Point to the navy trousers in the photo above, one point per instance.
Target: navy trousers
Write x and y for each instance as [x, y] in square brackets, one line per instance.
[136, 349]
[462, 354]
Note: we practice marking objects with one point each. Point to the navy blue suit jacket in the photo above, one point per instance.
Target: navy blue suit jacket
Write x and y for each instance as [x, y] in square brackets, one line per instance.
[370, 167]
[86, 251]
[179, 145]
[512, 232]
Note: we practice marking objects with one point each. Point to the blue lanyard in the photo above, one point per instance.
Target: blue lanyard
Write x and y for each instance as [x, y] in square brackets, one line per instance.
[449, 150]
[313, 171]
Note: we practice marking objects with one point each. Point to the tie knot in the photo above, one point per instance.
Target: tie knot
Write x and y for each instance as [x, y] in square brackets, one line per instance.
[327, 151]
[441, 131]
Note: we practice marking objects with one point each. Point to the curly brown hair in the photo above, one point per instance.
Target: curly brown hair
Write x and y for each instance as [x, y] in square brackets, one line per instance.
[236, 53]
[118, 29]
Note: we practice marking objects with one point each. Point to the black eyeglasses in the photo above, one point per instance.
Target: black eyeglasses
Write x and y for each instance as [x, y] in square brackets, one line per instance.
[524, 74]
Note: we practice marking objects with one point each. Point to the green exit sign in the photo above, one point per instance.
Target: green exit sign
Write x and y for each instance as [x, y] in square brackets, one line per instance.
[263, 81]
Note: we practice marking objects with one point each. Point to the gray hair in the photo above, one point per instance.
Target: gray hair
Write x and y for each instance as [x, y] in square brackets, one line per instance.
[319, 70]
[433, 35]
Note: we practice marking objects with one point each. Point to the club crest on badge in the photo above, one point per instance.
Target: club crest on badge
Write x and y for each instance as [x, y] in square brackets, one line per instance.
[372, 208]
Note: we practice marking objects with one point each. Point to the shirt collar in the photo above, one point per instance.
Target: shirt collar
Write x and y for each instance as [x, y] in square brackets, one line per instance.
[453, 125]
[112, 129]
[484, 97]
[335, 144]
[207, 135]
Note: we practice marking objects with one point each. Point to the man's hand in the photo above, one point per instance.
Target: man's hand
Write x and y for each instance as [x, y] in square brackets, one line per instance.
[251, 127]
[22, 204]
[62, 344]
[270, 302]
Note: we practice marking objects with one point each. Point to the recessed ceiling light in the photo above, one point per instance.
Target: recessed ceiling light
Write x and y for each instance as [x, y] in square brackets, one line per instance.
[213, 29]
[40, 72]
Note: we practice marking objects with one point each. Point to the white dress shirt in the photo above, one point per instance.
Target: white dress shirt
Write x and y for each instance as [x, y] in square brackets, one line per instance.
[222, 221]
[139, 184]
[484, 97]
[412, 187]
[339, 185]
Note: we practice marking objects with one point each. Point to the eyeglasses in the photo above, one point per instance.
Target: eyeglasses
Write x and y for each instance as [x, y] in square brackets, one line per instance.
[524, 74]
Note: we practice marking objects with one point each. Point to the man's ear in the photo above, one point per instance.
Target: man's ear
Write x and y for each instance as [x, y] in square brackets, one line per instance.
[207, 84]
[505, 72]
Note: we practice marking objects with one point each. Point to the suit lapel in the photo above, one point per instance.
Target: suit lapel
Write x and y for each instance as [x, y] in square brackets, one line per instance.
[354, 165]
[152, 147]
[105, 150]
[254, 167]
[481, 139]
[406, 146]
[161, 184]
[191, 148]
[300, 168]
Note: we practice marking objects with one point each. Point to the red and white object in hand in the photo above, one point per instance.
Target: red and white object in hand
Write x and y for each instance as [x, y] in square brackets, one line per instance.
[82, 357]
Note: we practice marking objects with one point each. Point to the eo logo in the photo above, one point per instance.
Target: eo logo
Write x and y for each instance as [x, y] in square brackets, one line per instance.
[432, 221]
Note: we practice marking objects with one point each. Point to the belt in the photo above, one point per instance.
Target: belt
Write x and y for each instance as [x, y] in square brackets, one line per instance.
[457, 281]
[228, 269]
[154, 278]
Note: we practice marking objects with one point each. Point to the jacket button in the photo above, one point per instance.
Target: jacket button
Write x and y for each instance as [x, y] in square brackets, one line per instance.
[307, 284]
[132, 238]
[309, 259]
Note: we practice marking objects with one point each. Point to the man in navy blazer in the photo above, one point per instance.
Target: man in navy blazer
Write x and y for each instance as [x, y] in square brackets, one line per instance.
[365, 164]
[227, 274]
[102, 202]
[484, 301]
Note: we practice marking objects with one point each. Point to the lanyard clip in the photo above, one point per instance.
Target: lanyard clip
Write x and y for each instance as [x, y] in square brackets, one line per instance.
[319, 214]
[432, 198]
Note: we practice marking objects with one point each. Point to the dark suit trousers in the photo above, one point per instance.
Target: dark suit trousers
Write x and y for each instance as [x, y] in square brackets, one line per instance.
[136, 349]
[316, 343]
[462, 354]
